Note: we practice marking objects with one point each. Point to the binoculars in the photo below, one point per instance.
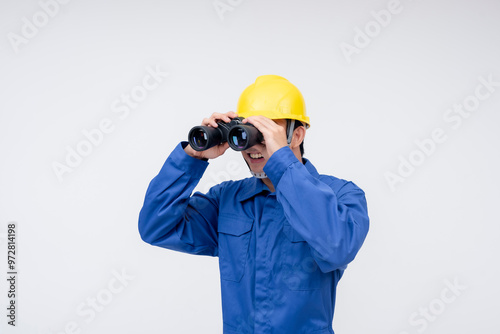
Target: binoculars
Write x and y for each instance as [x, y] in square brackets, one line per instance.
[239, 136]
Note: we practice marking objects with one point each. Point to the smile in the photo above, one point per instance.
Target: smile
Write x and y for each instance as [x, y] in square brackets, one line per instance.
[255, 157]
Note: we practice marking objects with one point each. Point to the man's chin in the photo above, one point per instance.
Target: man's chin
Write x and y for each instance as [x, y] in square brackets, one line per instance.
[253, 169]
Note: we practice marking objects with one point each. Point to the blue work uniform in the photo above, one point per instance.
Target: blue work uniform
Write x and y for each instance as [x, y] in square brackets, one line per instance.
[281, 254]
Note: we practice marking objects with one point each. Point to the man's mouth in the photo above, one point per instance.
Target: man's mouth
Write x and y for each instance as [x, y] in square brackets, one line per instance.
[255, 156]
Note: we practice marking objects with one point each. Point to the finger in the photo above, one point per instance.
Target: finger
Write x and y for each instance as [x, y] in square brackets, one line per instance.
[250, 119]
[263, 124]
[221, 149]
[221, 117]
[260, 119]
[224, 147]
[212, 120]
[205, 122]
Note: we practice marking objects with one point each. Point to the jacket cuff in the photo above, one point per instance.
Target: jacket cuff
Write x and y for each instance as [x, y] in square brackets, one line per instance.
[278, 164]
[183, 161]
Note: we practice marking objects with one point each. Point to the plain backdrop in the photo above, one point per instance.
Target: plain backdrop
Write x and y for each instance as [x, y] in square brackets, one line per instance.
[438, 225]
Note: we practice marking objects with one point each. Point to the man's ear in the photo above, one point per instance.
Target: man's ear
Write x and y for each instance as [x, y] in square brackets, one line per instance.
[298, 136]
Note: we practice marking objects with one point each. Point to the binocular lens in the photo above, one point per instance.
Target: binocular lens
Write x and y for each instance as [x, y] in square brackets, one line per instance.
[238, 138]
[244, 136]
[203, 137]
[199, 138]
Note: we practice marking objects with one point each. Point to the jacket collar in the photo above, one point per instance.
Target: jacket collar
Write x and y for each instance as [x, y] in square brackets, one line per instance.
[254, 186]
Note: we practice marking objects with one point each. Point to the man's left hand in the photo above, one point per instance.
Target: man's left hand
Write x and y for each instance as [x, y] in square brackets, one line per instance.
[274, 134]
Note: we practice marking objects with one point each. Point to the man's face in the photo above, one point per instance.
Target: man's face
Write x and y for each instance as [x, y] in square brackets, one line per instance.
[254, 156]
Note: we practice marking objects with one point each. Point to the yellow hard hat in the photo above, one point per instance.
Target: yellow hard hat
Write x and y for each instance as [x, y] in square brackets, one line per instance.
[274, 97]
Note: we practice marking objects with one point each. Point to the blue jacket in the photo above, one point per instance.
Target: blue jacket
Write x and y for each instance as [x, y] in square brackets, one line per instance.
[281, 254]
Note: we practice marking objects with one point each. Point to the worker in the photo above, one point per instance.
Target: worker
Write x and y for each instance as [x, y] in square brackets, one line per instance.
[283, 236]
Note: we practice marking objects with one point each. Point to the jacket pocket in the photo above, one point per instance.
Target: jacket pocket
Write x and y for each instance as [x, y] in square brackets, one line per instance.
[291, 234]
[299, 269]
[234, 241]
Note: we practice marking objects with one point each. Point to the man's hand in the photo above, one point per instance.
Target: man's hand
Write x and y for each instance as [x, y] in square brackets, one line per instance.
[217, 150]
[274, 133]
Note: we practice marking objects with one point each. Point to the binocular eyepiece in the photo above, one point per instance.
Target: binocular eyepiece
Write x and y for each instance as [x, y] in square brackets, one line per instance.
[239, 136]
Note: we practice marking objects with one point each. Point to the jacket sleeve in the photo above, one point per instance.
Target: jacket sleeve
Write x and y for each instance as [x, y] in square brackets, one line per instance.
[171, 217]
[333, 223]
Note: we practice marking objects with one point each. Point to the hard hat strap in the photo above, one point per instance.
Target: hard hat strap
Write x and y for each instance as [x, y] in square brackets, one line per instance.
[261, 175]
[290, 124]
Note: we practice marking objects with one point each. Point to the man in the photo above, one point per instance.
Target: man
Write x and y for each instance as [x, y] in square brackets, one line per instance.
[283, 237]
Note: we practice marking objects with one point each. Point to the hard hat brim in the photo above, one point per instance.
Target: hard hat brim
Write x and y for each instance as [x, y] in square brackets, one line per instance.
[277, 115]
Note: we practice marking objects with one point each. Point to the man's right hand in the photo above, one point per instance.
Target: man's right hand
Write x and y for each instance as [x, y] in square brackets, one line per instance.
[217, 150]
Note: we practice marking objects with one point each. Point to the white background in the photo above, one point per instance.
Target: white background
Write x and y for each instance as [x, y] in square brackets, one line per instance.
[440, 224]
